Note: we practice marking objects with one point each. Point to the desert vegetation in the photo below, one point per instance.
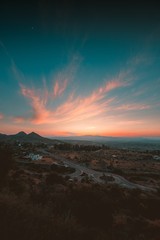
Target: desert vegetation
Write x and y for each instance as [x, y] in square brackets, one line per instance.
[46, 205]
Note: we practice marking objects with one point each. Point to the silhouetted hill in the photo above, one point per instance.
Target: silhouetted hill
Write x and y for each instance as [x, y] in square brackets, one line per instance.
[21, 134]
[106, 139]
[34, 136]
[24, 137]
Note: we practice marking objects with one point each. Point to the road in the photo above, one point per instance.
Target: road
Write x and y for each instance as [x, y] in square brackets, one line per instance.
[95, 175]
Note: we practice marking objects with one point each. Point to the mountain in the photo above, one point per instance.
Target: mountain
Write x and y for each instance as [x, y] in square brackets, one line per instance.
[85, 140]
[21, 134]
[34, 135]
[106, 139]
[140, 143]
[24, 137]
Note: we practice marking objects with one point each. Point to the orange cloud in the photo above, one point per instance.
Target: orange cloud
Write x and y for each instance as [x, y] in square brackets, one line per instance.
[115, 84]
[77, 109]
[65, 77]
[38, 102]
[131, 122]
[74, 108]
[101, 92]
[59, 88]
[18, 119]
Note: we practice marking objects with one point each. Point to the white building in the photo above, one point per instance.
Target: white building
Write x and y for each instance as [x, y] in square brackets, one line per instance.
[156, 157]
[34, 157]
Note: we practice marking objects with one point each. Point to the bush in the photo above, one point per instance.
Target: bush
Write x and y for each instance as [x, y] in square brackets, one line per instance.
[54, 178]
[6, 161]
[92, 207]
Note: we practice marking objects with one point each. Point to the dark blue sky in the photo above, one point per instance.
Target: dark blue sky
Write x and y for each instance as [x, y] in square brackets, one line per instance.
[73, 67]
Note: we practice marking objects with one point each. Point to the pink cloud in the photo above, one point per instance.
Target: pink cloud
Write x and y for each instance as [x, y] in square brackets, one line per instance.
[122, 80]
[134, 106]
[95, 104]
[114, 84]
[59, 88]
[81, 109]
[65, 77]
[131, 122]
[18, 119]
[38, 102]
[74, 108]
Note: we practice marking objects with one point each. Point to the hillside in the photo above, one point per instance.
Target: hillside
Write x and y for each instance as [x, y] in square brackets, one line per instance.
[24, 137]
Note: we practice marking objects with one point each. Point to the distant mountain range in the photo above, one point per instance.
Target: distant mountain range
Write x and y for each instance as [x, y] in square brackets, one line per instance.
[85, 140]
[133, 143]
[104, 139]
[24, 137]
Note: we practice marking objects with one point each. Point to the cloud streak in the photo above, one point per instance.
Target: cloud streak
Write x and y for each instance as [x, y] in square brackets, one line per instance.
[59, 88]
[38, 102]
[131, 122]
[74, 108]
[133, 106]
[65, 77]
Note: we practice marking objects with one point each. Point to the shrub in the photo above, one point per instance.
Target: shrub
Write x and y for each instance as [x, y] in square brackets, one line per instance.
[54, 178]
[6, 161]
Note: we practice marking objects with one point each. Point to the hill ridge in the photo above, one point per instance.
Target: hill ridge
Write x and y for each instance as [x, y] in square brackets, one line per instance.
[32, 137]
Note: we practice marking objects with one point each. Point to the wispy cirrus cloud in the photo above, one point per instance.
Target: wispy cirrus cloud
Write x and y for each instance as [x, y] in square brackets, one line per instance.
[60, 81]
[133, 106]
[74, 108]
[141, 59]
[131, 122]
[38, 101]
[59, 88]
[123, 79]
[18, 119]
[65, 77]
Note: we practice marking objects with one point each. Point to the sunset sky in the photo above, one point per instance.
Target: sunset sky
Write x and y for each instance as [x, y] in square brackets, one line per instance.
[71, 68]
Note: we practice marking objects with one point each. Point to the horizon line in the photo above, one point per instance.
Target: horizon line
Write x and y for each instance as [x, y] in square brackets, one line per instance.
[85, 135]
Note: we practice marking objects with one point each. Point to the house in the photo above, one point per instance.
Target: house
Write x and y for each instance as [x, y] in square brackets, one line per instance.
[34, 157]
[156, 157]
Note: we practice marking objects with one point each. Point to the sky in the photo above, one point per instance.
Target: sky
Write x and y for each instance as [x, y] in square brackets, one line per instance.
[72, 68]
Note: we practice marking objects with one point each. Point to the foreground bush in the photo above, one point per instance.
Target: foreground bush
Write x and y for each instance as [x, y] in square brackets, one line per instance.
[57, 211]
[6, 161]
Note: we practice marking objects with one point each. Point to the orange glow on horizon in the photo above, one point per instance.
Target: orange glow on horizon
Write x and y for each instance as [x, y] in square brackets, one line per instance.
[105, 134]
[91, 132]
